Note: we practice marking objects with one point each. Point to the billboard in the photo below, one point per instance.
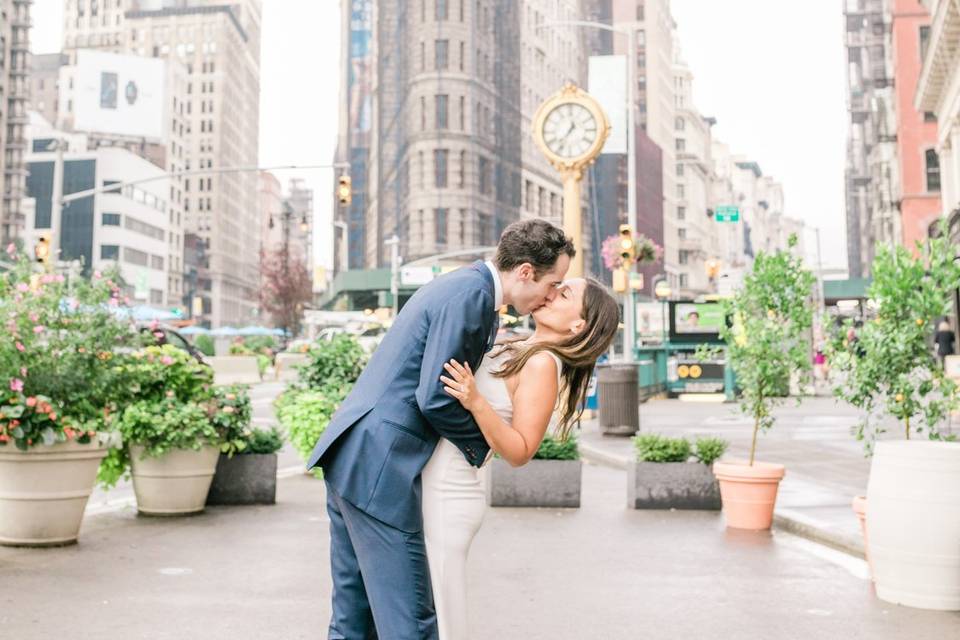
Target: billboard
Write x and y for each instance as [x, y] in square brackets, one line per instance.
[119, 94]
[698, 318]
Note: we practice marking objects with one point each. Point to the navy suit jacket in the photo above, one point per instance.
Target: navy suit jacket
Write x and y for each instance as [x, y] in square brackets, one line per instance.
[383, 434]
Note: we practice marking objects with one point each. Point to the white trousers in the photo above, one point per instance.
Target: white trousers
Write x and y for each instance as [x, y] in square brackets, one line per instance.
[454, 501]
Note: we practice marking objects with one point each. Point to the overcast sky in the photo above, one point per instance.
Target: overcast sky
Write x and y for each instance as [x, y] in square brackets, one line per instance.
[772, 74]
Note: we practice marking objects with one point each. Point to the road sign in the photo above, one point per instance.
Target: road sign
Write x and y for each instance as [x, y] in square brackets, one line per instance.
[417, 276]
[727, 213]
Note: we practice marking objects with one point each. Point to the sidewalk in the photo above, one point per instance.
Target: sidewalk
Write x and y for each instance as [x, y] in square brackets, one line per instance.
[601, 571]
[825, 464]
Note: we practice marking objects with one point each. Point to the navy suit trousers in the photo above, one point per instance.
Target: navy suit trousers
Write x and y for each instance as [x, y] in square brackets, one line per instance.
[381, 580]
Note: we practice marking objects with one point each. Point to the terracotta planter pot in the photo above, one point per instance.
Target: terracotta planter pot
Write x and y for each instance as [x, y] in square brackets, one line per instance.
[43, 492]
[174, 484]
[914, 523]
[749, 493]
[860, 509]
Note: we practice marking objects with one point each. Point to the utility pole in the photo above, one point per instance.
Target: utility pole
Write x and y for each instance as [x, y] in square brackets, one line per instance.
[56, 202]
[394, 243]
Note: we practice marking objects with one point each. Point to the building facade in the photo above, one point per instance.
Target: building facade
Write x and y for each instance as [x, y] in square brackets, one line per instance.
[45, 85]
[871, 175]
[436, 124]
[129, 229]
[917, 155]
[217, 113]
[938, 92]
[14, 96]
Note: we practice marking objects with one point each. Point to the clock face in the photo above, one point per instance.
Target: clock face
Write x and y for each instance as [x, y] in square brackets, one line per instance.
[570, 130]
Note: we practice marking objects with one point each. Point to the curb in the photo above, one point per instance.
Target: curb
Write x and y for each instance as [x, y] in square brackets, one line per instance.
[787, 520]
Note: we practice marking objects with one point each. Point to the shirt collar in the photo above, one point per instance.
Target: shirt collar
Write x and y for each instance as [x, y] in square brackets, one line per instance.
[497, 287]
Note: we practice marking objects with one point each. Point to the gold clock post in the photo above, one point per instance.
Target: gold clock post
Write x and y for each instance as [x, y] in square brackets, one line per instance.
[570, 129]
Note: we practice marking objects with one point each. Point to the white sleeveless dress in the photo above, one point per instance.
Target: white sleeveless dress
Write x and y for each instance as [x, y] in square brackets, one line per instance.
[454, 501]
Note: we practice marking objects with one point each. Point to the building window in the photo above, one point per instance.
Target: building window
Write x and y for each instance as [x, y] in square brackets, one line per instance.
[484, 229]
[684, 281]
[681, 213]
[441, 9]
[440, 167]
[684, 257]
[933, 170]
[679, 124]
[462, 55]
[463, 113]
[679, 170]
[463, 227]
[423, 113]
[156, 296]
[929, 116]
[681, 191]
[134, 256]
[639, 12]
[442, 53]
[463, 169]
[483, 170]
[423, 171]
[681, 232]
[109, 252]
[441, 106]
[681, 144]
[111, 220]
[924, 42]
[156, 262]
[440, 225]
[423, 56]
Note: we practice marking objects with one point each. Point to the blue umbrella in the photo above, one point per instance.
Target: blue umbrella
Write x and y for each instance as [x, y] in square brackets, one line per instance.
[225, 331]
[252, 330]
[193, 330]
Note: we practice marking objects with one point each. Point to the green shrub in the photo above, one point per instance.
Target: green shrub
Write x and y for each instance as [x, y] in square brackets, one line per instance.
[240, 349]
[263, 363]
[305, 415]
[652, 447]
[709, 450]
[332, 363]
[264, 441]
[258, 344]
[204, 344]
[553, 448]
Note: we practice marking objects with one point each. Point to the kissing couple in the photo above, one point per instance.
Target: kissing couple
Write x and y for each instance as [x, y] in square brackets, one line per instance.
[402, 457]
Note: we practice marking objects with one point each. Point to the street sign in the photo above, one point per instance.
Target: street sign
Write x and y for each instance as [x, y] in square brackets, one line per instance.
[727, 213]
[417, 276]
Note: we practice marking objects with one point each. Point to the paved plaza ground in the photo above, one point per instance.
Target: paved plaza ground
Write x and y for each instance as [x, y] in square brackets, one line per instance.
[598, 572]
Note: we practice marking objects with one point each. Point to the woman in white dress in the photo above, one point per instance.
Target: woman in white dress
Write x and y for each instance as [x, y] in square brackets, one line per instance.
[512, 398]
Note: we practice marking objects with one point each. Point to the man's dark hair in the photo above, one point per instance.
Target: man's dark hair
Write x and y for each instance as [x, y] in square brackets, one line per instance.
[535, 241]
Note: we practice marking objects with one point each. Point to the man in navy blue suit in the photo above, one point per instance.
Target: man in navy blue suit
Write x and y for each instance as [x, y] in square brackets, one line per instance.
[378, 442]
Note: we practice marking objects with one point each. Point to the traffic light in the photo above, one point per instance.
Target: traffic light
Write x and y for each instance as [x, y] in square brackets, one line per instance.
[41, 250]
[344, 190]
[627, 246]
[712, 267]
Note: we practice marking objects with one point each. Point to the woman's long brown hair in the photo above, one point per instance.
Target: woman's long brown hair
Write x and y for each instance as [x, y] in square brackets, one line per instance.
[578, 353]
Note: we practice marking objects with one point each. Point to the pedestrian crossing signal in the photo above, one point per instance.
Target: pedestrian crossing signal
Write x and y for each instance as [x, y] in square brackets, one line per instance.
[627, 245]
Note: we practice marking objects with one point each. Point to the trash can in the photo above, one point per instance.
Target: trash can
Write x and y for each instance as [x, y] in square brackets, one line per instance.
[619, 398]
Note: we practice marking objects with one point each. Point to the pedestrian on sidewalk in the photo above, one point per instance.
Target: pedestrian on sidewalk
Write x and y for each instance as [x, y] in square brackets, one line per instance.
[944, 338]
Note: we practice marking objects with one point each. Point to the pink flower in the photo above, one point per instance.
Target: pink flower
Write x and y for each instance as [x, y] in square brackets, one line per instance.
[16, 384]
[154, 324]
[20, 347]
[97, 275]
[11, 249]
[23, 371]
[73, 305]
[31, 401]
[34, 317]
[23, 287]
[126, 301]
[158, 334]
[167, 360]
[59, 277]
[48, 278]
[38, 328]
[114, 302]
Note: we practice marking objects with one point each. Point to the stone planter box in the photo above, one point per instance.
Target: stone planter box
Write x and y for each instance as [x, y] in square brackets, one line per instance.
[175, 483]
[672, 485]
[539, 483]
[244, 479]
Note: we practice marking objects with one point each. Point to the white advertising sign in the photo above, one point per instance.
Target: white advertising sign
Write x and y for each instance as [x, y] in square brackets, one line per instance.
[119, 94]
[416, 276]
[608, 85]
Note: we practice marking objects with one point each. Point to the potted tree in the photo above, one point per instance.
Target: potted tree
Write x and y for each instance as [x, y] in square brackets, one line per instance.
[550, 479]
[888, 369]
[766, 343]
[247, 469]
[168, 441]
[56, 385]
[662, 476]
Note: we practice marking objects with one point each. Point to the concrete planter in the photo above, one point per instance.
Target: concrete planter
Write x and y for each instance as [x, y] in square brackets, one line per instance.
[244, 479]
[174, 484]
[672, 485]
[539, 483]
[43, 492]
